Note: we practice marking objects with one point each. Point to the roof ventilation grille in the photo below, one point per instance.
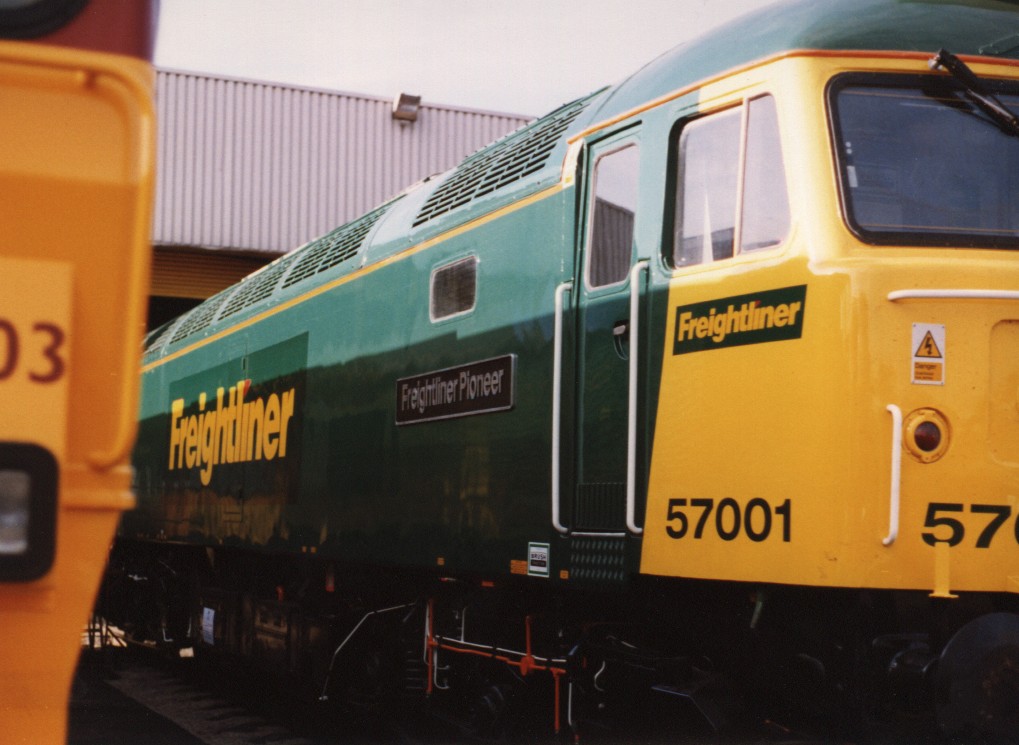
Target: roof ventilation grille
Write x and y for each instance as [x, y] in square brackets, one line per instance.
[197, 319]
[510, 159]
[335, 247]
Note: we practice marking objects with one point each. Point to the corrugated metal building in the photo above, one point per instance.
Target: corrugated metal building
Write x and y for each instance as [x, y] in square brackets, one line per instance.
[248, 170]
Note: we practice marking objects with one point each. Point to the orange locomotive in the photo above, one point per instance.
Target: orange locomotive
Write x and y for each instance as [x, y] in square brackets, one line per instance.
[76, 174]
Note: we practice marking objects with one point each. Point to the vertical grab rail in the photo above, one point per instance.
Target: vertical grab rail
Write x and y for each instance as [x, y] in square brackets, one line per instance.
[631, 423]
[557, 400]
[896, 480]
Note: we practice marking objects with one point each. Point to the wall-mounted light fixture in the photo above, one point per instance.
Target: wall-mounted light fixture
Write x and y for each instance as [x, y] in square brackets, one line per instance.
[406, 107]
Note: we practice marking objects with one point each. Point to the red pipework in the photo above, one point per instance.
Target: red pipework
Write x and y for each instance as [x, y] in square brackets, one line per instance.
[430, 645]
[556, 673]
[528, 662]
[525, 664]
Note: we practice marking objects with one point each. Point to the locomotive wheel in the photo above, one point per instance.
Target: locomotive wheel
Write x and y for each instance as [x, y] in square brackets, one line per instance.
[372, 676]
[486, 718]
[978, 679]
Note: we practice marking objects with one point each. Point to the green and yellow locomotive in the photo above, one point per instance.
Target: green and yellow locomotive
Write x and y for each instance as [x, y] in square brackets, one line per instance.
[702, 385]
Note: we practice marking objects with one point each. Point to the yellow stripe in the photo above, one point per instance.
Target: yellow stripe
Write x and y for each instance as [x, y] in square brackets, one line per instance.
[460, 230]
[788, 54]
[679, 93]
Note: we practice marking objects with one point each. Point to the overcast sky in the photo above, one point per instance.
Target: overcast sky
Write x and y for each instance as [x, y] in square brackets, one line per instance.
[522, 57]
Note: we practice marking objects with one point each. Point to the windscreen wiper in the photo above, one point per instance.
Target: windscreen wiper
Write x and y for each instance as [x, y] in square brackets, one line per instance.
[975, 90]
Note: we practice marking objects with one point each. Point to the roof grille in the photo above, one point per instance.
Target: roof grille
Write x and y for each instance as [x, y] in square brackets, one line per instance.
[328, 251]
[157, 337]
[257, 286]
[334, 248]
[510, 159]
[198, 318]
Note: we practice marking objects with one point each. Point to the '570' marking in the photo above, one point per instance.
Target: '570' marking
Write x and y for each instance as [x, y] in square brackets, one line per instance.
[953, 531]
[756, 520]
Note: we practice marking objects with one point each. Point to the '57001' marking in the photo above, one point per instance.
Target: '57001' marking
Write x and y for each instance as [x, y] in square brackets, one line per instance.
[953, 531]
[756, 520]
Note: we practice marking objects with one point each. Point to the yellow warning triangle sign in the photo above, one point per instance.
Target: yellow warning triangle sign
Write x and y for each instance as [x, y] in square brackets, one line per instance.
[928, 347]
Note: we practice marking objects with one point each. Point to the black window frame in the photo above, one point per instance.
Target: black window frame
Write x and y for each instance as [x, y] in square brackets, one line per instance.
[904, 81]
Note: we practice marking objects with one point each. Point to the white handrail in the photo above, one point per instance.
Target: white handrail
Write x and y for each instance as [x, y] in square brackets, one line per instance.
[631, 424]
[557, 400]
[896, 295]
[324, 696]
[896, 480]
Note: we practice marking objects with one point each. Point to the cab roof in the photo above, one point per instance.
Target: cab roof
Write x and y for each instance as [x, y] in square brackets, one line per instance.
[988, 28]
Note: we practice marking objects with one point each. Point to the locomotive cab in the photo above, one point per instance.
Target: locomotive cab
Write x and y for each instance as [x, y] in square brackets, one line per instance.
[874, 274]
[871, 408]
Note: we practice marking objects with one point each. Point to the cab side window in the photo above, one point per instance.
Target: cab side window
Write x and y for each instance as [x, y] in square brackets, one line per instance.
[730, 185]
[612, 216]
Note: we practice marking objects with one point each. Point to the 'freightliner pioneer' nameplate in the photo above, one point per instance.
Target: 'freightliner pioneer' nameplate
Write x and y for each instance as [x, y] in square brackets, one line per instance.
[475, 388]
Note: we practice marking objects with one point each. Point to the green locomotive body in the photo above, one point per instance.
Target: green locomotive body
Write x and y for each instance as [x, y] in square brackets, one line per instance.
[628, 371]
[383, 464]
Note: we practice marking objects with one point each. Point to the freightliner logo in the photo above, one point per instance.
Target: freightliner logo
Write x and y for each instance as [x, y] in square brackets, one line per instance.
[770, 315]
[234, 431]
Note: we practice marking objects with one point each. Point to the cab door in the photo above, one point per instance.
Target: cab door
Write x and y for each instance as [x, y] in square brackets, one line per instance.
[609, 281]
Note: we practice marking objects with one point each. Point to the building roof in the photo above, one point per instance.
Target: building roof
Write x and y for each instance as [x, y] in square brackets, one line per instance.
[256, 167]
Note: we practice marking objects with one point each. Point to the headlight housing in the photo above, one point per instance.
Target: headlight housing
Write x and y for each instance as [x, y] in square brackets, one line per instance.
[28, 511]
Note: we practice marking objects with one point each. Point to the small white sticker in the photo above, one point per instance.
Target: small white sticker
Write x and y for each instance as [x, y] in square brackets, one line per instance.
[209, 626]
[537, 559]
[928, 348]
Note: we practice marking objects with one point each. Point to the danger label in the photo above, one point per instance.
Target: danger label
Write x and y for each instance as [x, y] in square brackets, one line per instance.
[928, 354]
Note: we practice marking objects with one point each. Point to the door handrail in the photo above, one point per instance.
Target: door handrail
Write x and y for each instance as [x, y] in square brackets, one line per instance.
[557, 401]
[895, 489]
[953, 294]
[631, 423]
